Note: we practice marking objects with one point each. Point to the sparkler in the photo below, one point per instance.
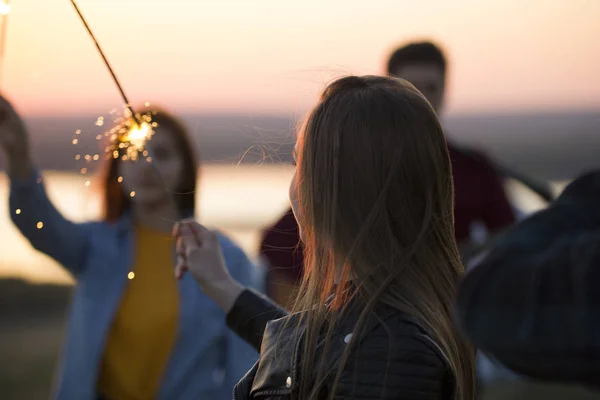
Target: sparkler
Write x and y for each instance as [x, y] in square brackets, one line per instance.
[136, 129]
[139, 129]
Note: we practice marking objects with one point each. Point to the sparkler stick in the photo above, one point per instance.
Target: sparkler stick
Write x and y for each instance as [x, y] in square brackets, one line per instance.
[112, 72]
[142, 130]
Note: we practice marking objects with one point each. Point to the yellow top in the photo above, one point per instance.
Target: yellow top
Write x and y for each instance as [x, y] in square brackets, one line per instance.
[145, 327]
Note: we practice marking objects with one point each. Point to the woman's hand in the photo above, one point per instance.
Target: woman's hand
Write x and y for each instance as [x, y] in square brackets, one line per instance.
[14, 140]
[199, 252]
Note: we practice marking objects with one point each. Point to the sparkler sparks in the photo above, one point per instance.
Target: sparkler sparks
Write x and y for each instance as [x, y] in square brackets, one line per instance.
[138, 128]
[137, 135]
[130, 137]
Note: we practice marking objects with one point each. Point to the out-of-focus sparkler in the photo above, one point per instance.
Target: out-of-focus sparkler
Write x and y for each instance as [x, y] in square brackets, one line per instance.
[139, 128]
[135, 130]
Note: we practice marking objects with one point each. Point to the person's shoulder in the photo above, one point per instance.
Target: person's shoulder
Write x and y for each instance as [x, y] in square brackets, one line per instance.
[411, 335]
[228, 245]
[405, 339]
[281, 234]
[586, 185]
[470, 154]
[411, 358]
[287, 223]
[475, 160]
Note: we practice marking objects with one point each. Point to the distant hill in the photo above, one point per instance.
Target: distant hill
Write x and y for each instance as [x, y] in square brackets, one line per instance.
[20, 300]
[553, 145]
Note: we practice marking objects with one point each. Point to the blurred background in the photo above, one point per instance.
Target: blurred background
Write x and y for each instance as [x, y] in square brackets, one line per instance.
[524, 86]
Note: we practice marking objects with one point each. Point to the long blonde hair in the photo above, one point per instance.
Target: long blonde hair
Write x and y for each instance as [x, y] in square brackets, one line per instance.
[376, 205]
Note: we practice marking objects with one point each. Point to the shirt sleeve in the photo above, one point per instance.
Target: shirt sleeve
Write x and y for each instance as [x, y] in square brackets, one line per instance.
[497, 212]
[45, 227]
[240, 355]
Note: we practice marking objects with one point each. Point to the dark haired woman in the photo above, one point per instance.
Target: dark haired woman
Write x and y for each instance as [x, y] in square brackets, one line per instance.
[135, 332]
[373, 198]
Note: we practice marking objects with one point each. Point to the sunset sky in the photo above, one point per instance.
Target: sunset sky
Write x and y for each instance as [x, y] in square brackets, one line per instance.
[275, 55]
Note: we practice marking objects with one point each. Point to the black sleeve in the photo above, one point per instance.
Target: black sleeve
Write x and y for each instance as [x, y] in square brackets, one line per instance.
[250, 314]
[533, 303]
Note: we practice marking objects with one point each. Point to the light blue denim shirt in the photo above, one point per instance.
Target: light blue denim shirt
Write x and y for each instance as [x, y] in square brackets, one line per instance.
[207, 359]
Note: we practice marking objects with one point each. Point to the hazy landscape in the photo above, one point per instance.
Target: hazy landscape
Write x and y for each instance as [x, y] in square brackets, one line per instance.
[551, 145]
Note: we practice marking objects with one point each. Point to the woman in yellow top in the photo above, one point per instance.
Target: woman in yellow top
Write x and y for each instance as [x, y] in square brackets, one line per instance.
[135, 332]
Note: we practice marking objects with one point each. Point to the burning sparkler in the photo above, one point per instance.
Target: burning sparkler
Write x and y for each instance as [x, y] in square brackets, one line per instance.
[139, 129]
[132, 135]
[136, 129]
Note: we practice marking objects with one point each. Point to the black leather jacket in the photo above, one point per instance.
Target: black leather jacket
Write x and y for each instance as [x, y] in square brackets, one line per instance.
[394, 359]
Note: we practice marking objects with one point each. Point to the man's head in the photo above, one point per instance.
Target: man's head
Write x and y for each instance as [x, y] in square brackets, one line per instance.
[423, 64]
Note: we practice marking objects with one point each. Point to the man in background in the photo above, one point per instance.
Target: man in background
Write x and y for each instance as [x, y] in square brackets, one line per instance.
[480, 198]
[479, 195]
